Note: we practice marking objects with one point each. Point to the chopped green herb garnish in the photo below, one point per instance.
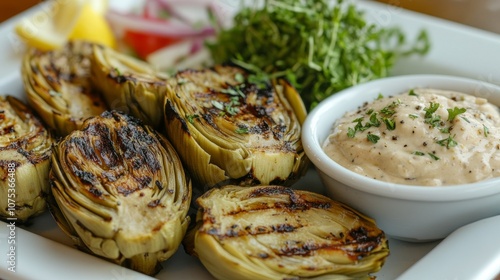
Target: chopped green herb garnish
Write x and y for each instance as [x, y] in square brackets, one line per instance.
[372, 138]
[433, 156]
[445, 130]
[191, 118]
[486, 131]
[241, 130]
[118, 72]
[465, 119]
[373, 121]
[431, 109]
[430, 118]
[413, 116]
[452, 113]
[389, 109]
[389, 123]
[218, 104]
[380, 96]
[448, 142]
[433, 120]
[412, 93]
[418, 153]
[351, 132]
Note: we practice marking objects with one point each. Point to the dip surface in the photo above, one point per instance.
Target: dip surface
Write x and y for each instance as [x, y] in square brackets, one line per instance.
[422, 137]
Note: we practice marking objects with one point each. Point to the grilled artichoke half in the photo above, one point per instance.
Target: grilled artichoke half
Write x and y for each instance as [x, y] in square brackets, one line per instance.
[274, 232]
[229, 130]
[121, 191]
[58, 85]
[129, 85]
[25, 149]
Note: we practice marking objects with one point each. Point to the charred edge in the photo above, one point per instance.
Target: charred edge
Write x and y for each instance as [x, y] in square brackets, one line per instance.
[236, 231]
[84, 176]
[159, 185]
[271, 191]
[171, 114]
[83, 145]
[95, 192]
[143, 181]
[31, 156]
[361, 249]
[119, 79]
[364, 241]
[210, 120]
[120, 117]
[135, 143]
[154, 203]
[297, 202]
[125, 191]
[103, 144]
[267, 92]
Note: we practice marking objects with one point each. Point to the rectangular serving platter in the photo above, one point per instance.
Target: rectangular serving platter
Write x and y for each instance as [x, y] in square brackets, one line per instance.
[44, 252]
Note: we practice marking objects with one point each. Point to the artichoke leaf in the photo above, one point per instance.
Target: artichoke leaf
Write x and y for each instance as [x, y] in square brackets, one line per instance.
[236, 127]
[121, 191]
[274, 232]
[25, 150]
[129, 85]
[58, 86]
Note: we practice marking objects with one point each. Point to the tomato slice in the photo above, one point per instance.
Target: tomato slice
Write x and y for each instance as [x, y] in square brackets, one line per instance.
[145, 43]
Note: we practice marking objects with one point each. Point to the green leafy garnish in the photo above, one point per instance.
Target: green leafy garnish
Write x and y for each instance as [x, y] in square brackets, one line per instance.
[448, 142]
[389, 123]
[433, 156]
[373, 121]
[191, 118]
[241, 130]
[452, 113]
[319, 46]
[486, 130]
[351, 132]
[412, 93]
[218, 104]
[372, 138]
[429, 111]
[430, 117]
[418, 153]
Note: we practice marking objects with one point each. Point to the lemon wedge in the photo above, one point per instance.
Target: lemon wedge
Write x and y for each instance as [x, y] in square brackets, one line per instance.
[92, 26]
[51, 27]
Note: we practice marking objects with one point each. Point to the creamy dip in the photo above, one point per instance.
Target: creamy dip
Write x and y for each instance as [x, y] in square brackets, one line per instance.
[423, 137]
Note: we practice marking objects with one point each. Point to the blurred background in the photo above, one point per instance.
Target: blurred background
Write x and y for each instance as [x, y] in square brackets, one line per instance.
[483, 14]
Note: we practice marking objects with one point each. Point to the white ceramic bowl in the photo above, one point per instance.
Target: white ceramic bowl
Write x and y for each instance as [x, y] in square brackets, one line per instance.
[414, 213]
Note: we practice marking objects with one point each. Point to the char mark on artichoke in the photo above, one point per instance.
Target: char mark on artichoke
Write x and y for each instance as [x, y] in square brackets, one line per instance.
[120, 191]
[25, 151]
[59, 86]
[229, 129]
[129, 85]
[274, 232]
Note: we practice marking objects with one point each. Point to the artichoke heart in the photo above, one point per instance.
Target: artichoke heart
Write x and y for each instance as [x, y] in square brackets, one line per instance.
[120, 191]
[25, 151]
[129, 85]
[275, 232]
[230, 129]
[59, 88]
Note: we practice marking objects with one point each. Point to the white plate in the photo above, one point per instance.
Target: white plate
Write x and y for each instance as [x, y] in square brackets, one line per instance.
[44, 252]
